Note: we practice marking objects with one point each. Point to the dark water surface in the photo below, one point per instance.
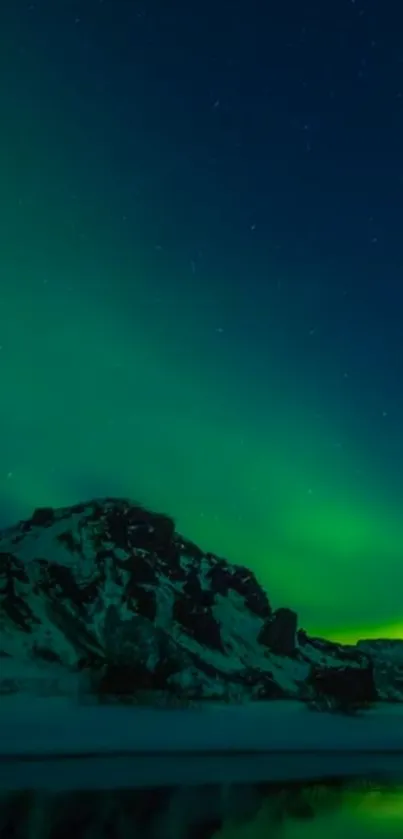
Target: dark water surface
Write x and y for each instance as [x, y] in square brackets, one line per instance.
[273, 769]
[359, 809]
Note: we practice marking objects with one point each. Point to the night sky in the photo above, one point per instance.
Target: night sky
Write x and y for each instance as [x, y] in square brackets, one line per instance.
[201, 281]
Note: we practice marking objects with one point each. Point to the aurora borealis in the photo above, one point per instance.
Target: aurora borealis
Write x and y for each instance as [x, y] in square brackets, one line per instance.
[201, 296]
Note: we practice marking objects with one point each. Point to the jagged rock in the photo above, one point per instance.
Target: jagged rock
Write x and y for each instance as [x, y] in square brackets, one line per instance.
[387, 657]
[112, 593]
[344, 688]
[279, 633]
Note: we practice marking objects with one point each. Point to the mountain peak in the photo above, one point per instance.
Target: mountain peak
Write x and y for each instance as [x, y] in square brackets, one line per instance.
[111, 589]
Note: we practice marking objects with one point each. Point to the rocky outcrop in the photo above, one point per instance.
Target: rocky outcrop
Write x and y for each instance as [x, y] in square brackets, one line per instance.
[110, 590]
[387, 658]
[343, 688]
[279, 632]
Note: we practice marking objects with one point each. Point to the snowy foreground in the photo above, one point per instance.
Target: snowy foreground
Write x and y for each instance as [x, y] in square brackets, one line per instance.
[53, 744]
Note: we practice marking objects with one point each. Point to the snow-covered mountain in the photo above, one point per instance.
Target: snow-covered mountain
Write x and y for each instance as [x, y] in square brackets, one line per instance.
[109, 594]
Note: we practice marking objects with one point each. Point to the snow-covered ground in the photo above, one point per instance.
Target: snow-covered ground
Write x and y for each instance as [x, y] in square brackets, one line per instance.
[52, 743]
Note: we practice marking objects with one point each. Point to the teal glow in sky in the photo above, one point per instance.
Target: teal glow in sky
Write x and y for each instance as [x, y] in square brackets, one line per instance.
[178, 323]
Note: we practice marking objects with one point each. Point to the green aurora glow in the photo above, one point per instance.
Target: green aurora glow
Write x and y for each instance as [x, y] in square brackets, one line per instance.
[95, 405]
[124, 371]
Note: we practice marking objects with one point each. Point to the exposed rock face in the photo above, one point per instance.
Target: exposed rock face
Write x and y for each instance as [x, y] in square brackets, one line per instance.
[279, 632]
[111, 589]
[387, 656]
[344, 688]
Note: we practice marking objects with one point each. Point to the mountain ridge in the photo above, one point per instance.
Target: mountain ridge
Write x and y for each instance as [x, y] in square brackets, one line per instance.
[109, 589]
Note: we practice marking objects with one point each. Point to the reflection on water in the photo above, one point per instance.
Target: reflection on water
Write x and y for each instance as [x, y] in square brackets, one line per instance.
[318, 811]
[335, 810]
